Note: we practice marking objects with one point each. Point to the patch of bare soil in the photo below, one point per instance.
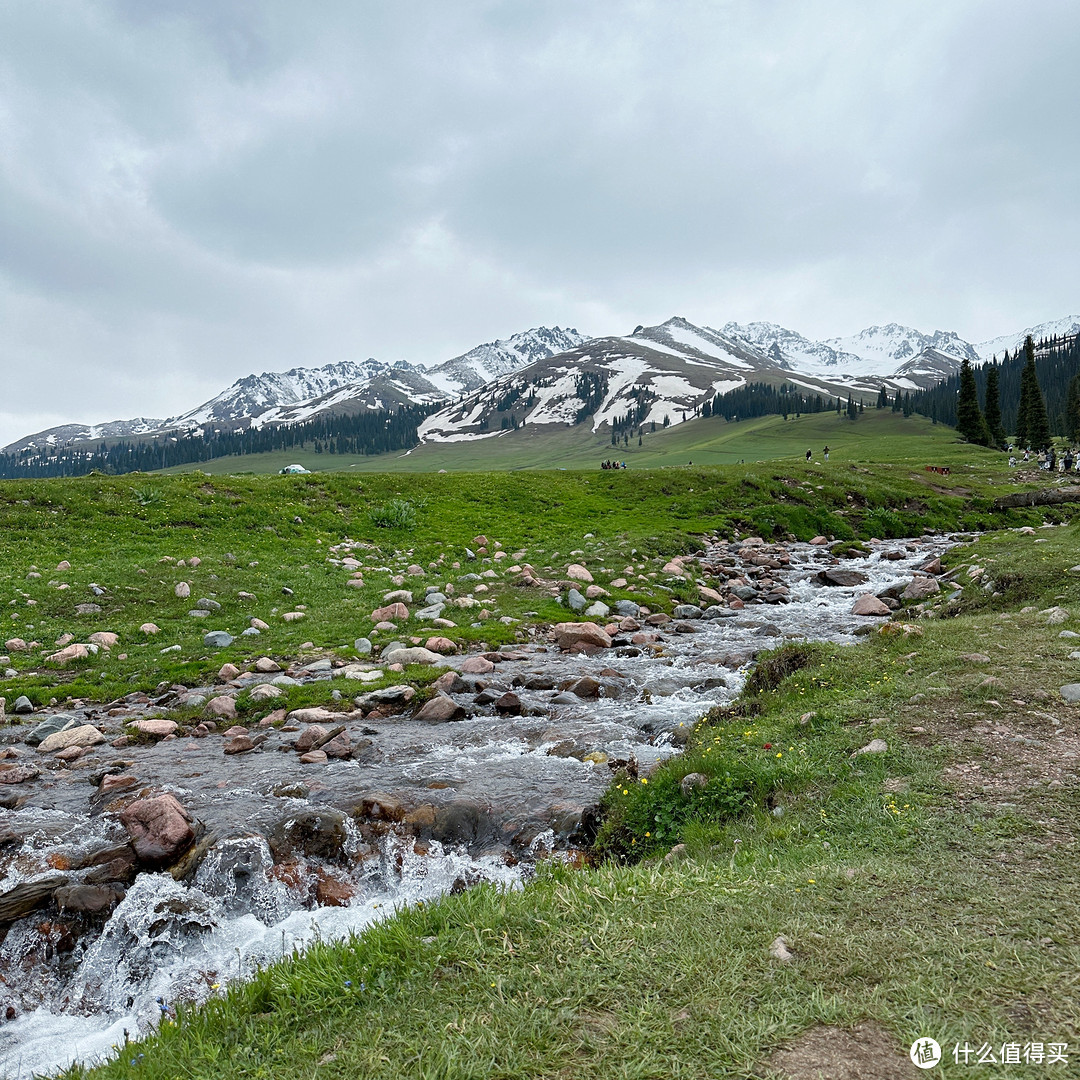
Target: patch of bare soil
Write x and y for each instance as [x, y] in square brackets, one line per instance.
[868, 1052]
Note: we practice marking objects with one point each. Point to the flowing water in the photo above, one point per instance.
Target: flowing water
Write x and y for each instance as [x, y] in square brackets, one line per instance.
[502, 791]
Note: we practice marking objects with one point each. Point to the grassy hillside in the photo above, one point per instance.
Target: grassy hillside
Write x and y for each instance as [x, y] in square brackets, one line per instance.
[260, 535]
[876, 436]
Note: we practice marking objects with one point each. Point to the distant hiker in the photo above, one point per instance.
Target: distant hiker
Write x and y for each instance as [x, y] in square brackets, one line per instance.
[826, 452]
[1012, 461]
[809, 454]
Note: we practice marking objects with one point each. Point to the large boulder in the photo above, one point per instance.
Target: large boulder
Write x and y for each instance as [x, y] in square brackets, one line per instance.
[391, 613]
[920, 588]
[868, 604]
[842, 578]
[571, 634]
[68, 655]
[160, 829]
[86, 735]
[56, 722]
[439, 709]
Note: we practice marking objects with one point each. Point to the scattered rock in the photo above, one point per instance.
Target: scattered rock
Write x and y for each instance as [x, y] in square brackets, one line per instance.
[149, 629]
[1056, 615]
[68, 655]
[218, 639]
[691, 781]
[1071, 692]
[975, 658]
[442, 645]
[391, 613]
[160, 829]
[477, 665]
[86, 735]
[103, 639]
[577, 572]
[49, 726]
[266, 692]
[874, 746]
[439, 709]
[182, 590]
[842, 578]
[415, 655]
[159, 728]
[571, 634]
[222, 706]
[779, 950]
[920, 588]
[868, 604]
[294, 616]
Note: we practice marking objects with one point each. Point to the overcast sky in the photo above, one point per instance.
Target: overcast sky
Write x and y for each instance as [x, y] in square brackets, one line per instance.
[191, 190]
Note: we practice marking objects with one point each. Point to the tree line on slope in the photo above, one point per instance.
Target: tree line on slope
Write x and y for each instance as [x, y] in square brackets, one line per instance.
[371, 432]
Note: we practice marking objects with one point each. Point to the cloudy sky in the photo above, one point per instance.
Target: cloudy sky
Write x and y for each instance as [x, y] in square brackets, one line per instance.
[191, 190]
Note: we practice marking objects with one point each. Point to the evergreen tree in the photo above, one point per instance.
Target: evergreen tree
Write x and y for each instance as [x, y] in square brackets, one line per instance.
[851, 410]
[970, 422]
[1033, 417]
[1072, 410]
[992, 412]
[896, 405]
[882, 398]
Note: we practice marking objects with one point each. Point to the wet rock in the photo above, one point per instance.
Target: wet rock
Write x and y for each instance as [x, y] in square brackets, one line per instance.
[239, 744]
[291, 790]
[330, 892]
[23, 705]
[867, 604]
[116, 782]
[920, 588]
[439, 709]
[688, 611]
[218, 639]
[159, 828]
[931, 566]
[401, 694]
[56, 722]
[18, 774]
[228, 672]
[27, 896]
[451, 683]
[314, 757]
[570, 634]
[477, 665]
[88, 898]
[340, 746]
[86, 735]
[317, 833]
[462, 822]
[158, 728]
[509, 703]
[841, 578]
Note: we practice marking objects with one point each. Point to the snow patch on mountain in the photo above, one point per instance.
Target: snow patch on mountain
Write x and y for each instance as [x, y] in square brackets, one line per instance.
[1013, 342]
[884, 348]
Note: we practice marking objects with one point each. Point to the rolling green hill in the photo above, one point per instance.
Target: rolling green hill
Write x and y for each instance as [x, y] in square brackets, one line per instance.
[875, 436]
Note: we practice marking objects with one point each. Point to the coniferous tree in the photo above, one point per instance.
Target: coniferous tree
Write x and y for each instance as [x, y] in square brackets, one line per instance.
[1033, 417]
[1072, 410]
[970, 422]
[851, 410]
[992, 412]
[896, 405]
[882, 398]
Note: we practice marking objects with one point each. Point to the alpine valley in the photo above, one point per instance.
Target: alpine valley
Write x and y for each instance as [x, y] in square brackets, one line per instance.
[556, 377]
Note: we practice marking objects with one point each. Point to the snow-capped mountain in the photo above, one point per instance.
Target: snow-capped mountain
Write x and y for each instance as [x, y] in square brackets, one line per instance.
[659, 374]
[254, 395]
[796, 351]
[72, 433]
[882, 349]
[987, 350]
[471, 370]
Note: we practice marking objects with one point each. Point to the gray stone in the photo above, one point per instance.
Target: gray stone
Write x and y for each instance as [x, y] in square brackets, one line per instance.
[1071, 692]
[688, 611]
[212, 605]
[1068, 634]
[626, 608]
[575, 601]
[920, 588]
[388, 695]
[362, 645]
[250, 632]
[218, 639]
[285, 680]
[199, 613]
[55, 723]
[433, 596]
[598, 609]
[691, 781]
[1056, 615]
[744, 592]
[433, 611]
[874, 746]
[417, 655]
[22, 705]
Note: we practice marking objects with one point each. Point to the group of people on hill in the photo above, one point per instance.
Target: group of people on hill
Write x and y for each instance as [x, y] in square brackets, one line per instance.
[1050, 461]
[810, 454]
[612, 464]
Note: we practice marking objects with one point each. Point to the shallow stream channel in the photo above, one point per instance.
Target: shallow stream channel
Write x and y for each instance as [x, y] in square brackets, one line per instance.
[96, 943]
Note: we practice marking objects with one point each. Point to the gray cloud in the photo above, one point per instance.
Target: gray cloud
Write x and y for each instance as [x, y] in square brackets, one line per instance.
[194, 189]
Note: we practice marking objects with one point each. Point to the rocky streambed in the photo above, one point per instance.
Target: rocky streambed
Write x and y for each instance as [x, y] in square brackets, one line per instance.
[140, 870]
